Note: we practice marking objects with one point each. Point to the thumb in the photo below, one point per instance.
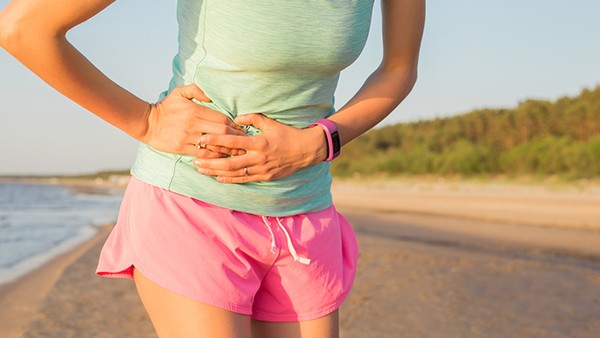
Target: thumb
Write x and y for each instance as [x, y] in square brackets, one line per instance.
[257, 120]
[192, 91]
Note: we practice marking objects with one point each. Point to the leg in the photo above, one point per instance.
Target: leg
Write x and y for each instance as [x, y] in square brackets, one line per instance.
[324, 327]
[175, 316]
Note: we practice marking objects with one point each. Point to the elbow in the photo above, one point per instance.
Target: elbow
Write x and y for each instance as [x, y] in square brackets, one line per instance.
[413, 79]
[404, 75]
[17, 35]
[11, 33]
[4, 32]
[411, 76]
[10, 39]
[403, 70]
[401, 78]
[409, 82]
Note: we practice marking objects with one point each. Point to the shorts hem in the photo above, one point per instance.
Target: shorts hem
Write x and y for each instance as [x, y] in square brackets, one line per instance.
[120, 274]
[271, 317]
[128, 274]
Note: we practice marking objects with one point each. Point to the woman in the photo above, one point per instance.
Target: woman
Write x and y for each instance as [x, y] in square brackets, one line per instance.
[227, 225]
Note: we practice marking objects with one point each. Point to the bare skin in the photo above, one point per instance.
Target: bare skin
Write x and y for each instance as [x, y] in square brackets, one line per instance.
[176, 316]
[175, 124]
[323, 327]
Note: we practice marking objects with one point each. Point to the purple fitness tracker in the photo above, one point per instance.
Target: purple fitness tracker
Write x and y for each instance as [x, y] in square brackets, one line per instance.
[332, 136]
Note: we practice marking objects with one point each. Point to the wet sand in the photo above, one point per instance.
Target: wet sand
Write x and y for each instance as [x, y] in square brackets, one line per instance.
[423, 272]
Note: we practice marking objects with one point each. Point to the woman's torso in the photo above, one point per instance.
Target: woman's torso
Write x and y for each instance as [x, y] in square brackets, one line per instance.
[278, 58]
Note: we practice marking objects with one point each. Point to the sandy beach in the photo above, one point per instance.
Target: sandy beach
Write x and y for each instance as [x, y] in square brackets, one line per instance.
[438, 259]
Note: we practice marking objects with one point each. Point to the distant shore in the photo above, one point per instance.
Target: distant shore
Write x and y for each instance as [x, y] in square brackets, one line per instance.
[109, 185]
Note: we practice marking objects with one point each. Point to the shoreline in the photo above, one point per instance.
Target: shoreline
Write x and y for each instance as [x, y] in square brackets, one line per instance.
[80, 230]
[20, 299]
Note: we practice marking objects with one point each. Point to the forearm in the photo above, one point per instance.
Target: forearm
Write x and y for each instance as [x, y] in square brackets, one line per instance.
[50, 55]
[403, 23]
[381, 93]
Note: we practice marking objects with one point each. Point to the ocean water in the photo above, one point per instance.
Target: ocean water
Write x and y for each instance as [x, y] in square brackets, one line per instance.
[38, 222]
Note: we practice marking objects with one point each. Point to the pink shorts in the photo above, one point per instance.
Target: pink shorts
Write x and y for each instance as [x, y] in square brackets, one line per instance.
[280, 269]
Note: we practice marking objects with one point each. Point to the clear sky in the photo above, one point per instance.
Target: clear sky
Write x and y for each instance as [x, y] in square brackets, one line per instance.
[476, 53]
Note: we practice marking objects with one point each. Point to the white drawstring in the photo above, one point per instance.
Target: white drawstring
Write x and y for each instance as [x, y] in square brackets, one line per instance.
[290, 244]
[273, 246]
[291, 247]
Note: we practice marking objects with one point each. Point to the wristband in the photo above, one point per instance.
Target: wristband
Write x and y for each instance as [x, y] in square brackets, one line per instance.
[332, 136]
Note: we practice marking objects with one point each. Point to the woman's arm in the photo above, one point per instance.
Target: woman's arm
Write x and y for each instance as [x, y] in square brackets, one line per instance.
[281, 150]
[392, 81]
[34, 32]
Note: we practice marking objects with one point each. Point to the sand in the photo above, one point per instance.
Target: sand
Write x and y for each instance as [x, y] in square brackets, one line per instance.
[21, 299]
[551, 205]
[437, 259]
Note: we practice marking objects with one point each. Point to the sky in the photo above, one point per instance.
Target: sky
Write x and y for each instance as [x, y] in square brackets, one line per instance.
[475, 54]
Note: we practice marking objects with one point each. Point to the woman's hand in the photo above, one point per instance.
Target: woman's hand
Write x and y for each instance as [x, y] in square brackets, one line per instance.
[279, 151]
[176, 123]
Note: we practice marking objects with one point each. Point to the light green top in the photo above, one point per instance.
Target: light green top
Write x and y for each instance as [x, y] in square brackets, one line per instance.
[275, 57]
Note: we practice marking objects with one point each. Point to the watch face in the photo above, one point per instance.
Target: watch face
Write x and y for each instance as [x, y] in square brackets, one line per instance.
[335, 139]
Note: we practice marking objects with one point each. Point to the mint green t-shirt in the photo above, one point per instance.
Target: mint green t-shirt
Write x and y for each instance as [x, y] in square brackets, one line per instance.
[281, 58]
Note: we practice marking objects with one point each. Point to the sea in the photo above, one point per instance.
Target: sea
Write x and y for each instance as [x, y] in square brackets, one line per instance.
[41, 221]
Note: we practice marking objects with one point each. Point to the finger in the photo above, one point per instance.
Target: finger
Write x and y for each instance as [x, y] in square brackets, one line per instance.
[204, 114]
[225, 151]
[257, 120]
[212, 154]
[192, 91]
[232, 141]
[205, 153]
[202, 127]
[235, 163]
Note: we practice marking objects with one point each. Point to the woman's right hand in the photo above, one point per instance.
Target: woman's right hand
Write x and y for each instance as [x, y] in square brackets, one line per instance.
[176, 123]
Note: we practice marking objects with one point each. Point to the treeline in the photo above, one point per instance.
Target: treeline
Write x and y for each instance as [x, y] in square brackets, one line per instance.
[535, 138]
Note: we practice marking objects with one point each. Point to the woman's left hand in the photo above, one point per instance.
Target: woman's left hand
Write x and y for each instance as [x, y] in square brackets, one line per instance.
[280, 150]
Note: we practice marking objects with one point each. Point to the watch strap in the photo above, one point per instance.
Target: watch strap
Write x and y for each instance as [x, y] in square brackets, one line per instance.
[331, 136]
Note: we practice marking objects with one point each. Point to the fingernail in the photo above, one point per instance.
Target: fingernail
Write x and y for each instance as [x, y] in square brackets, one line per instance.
[202, 170]
[198, 163]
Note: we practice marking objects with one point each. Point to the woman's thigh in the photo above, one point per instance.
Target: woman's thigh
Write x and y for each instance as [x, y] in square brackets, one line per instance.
[176, 316]
[323, 327]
